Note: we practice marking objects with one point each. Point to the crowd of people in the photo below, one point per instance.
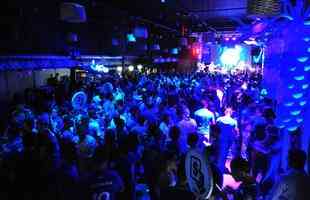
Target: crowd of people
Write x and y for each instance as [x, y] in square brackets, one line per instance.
[130, 138]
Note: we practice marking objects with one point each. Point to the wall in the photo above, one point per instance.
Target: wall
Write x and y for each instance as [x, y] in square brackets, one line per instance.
[12, 82]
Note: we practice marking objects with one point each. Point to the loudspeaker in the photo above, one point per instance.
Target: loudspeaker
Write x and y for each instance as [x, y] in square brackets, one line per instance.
[264, 7]
[72, 13]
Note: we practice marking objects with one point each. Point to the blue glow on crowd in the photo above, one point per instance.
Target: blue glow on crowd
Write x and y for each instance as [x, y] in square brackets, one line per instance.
[125, 134]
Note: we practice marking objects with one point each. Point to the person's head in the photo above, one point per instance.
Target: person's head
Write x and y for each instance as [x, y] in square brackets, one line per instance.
[141, 120]
[269, 115]
[54, 111]
[166, 118]
[18, 117]
[297, 159]
[228, 111]
[185, 113]
[43, 121]
[119, 123]
[205, 103]
[174, 133]
[240, 168]
[192, 139]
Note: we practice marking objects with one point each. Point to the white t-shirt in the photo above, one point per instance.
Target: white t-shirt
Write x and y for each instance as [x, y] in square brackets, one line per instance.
[186, 127]
[204, 117]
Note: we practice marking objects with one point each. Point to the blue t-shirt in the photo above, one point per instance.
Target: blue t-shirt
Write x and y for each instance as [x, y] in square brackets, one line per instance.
[103, 185]
[227, 125]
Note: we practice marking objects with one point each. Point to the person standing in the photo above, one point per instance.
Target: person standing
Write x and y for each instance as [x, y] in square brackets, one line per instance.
[229, 134]
[205, 118]
[294, 184]
[187, 125]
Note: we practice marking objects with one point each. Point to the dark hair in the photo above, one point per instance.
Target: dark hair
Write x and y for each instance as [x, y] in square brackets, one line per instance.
[174, 133]
[239, 164]
[192, 139]
[297, 158]
[119, 122]
[269, 114]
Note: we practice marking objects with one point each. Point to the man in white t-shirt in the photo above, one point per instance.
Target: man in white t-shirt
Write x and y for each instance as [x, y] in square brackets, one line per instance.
[187, 125]
[229, 132]
[205, 118]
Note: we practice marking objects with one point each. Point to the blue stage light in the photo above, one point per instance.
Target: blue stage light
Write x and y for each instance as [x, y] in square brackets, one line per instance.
[295, 112]
[292, 128]
[306, 39]
[131, 38]
[307, 68]
[231, 56]
[291, 86]
[298, 95]
[289, 104]
[175, 51]
[299, 78]
[305, 86]
[302, 59]
[299, 120]
[131, 68]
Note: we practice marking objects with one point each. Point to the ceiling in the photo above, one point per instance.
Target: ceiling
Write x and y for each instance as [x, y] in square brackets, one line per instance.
[35, 24]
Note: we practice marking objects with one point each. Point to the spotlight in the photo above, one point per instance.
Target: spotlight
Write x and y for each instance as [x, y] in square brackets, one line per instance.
[231, 56]
[131, 68]
[139, 67]
[99, 68]
[244, 86]
[119, 68]
[105, 70]
[131, 37]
